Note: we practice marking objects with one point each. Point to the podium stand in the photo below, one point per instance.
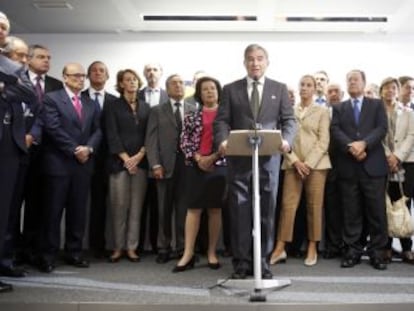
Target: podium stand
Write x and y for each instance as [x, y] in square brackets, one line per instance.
[254, 143]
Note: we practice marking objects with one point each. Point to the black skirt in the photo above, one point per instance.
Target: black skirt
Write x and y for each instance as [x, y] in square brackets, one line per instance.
[206, 189]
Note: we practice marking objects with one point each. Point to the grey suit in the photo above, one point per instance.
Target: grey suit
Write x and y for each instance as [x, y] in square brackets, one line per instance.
[161, 144]
[235, 113]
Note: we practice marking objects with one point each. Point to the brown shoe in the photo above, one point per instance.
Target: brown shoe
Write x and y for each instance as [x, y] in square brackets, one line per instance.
[407, 257]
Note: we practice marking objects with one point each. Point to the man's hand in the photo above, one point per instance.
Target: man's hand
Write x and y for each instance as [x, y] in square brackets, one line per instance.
[82, 154]
[285, 147]
[356, 148]
[158, 172]
[29, 140]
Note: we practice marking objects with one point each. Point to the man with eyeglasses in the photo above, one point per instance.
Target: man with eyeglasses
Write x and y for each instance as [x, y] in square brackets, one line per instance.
[71, 134]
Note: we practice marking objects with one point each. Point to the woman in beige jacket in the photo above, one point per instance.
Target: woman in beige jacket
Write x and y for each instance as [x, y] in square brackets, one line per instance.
[306, 166]
[398, 146]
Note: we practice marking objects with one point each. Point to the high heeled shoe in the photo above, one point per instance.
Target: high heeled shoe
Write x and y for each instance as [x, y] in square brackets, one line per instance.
[309, 262]
[214, 265]
[132, 256]
[282, 258]
[115, 257]
[189, 265]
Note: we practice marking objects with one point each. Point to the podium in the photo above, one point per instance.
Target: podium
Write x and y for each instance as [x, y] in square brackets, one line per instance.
[254, 143]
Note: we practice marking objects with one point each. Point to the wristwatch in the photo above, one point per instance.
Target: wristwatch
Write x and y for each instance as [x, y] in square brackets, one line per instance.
[90, 149]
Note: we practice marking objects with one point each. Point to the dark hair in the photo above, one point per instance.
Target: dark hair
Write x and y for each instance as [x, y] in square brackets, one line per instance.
[120, 77]
[94, 63]
[363, 76]
[404, 79]
[36, 47]
[197, 93]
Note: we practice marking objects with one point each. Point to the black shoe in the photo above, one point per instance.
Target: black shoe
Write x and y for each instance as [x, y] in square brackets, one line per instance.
[77, 262]
[189, 265]
[214, 266]
[4, 287]
[46, 266]
[163, 258]
[378, 264]
[239, 274]
[267, 274]
[349, 262]
[12, 271]
[331, 254]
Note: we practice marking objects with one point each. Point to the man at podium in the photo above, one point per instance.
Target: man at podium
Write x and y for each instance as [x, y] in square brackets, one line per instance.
[254, 102]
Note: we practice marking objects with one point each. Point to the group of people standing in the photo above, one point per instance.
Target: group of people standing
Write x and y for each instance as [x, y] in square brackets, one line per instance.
[158, 154]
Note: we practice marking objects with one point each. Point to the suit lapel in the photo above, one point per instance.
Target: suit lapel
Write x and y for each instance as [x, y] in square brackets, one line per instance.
[167, 110]
[244, 97]
[69, 108]
[88, 109]
[350, 113]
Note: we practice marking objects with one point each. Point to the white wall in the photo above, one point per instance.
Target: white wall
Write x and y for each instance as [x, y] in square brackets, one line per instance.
[221, 54]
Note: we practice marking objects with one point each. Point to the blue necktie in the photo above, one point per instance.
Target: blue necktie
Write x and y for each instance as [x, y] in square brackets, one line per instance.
[356, 110]
[96, 100]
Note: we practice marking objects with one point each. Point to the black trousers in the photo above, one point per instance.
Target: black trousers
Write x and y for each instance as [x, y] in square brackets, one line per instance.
[9, 166]
[333, 213]
[363, 197]
[69, 193]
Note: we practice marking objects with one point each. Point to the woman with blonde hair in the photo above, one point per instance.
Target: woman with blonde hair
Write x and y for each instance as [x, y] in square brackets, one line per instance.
[305, 167]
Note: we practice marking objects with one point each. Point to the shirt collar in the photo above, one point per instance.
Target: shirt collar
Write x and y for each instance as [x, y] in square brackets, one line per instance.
[92, 92]
[149, 90]
[250, 80]
[33, 76]
[71, 94]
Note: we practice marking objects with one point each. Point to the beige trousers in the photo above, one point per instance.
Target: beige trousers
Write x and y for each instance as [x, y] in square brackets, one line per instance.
[292, 189]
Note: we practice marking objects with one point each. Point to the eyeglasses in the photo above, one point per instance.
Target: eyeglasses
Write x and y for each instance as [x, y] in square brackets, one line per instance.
[76, 75]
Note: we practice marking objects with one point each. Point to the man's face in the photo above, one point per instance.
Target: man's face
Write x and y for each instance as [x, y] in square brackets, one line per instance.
[4, 30]
[20, 53]
[355, 83]
[40, 61]
[256, 63]
[175, 88]
[407, 91]
[98, 74]
[152, 73]
[334, 94]
[321, 82]
[74, 77]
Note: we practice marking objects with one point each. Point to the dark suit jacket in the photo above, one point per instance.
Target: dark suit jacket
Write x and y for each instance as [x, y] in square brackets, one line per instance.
[163, 95]
[235, 113]
[63, 132]
[162, 136]
[34, 121]
[17, 89]
[372, 129]
[103, 147]
[125, 134]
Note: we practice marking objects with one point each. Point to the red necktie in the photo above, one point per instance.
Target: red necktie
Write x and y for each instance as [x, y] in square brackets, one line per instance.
[78, 106]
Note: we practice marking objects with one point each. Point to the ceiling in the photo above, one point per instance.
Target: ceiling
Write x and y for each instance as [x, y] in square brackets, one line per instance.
[127, 16]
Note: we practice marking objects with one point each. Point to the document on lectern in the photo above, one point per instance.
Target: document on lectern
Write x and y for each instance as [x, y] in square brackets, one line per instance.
[239, 142]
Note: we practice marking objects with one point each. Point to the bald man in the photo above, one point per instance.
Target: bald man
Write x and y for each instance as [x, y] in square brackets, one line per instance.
[71, 135]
